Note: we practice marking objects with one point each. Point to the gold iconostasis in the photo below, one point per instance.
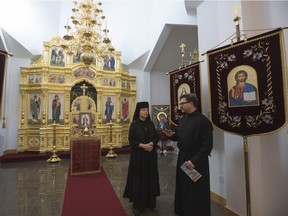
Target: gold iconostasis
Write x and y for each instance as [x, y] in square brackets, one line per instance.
[52, 90]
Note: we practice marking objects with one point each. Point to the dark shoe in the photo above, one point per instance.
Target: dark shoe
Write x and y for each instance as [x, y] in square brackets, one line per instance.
[136, 212]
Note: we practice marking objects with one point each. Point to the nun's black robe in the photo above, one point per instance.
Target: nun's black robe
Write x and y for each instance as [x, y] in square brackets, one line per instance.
[195, 142]
[142, 186]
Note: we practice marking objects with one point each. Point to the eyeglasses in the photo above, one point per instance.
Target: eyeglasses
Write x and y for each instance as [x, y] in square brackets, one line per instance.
[182, 103]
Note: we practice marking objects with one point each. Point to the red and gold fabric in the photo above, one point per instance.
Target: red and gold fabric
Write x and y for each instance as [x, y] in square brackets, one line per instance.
[85, 155]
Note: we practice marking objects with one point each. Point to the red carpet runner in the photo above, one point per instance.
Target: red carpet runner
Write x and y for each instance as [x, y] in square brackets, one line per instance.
[91, 195]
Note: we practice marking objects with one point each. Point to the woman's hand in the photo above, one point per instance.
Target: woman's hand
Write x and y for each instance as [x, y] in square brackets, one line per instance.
[147, 147]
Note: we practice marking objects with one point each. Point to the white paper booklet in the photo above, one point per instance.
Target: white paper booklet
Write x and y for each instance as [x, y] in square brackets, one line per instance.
[192, 173]
[249, 96]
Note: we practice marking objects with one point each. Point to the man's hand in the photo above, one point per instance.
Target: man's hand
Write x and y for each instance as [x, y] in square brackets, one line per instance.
[168, 132]
[189, 165]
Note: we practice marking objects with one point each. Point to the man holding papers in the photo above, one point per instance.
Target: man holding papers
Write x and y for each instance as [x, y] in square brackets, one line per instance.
[195, 142]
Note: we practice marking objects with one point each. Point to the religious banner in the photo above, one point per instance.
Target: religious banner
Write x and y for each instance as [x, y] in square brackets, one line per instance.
[2, 72]
[247, 85]
[183, 81]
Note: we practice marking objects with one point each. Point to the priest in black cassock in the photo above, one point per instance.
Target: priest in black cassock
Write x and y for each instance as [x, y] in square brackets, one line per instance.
[142, 186]
[194, 134]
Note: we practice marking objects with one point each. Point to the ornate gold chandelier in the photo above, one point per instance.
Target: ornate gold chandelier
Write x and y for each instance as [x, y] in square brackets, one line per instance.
[88, 37]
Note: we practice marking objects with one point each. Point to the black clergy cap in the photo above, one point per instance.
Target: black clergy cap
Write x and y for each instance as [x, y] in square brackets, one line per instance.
[140, 105]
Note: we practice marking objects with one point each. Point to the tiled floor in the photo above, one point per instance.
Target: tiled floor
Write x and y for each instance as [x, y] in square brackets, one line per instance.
[37, 188]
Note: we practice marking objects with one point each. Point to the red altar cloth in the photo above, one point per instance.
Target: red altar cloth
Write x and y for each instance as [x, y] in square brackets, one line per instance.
[85, 155]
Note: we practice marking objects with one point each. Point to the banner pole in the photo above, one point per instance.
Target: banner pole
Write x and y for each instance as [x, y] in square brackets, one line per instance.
[248, 202]
[237, 22]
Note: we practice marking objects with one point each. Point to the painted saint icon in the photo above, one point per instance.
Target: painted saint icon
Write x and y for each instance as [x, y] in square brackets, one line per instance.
[243, 93]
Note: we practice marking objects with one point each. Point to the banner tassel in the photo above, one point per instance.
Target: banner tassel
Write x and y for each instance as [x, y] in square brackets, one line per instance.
[4, 124]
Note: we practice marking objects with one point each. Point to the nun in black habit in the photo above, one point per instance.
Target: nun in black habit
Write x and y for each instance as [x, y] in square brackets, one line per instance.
[142, 186]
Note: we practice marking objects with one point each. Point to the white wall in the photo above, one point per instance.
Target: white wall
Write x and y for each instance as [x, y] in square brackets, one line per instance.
[160, 93]
[268, 153]
[268, 192]
[209, 35]
[9, 135]
[30, 22]
[143, 85]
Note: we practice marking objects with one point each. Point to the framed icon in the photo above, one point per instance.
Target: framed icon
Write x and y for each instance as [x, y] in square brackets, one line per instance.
[85, 120]
[161, 116]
